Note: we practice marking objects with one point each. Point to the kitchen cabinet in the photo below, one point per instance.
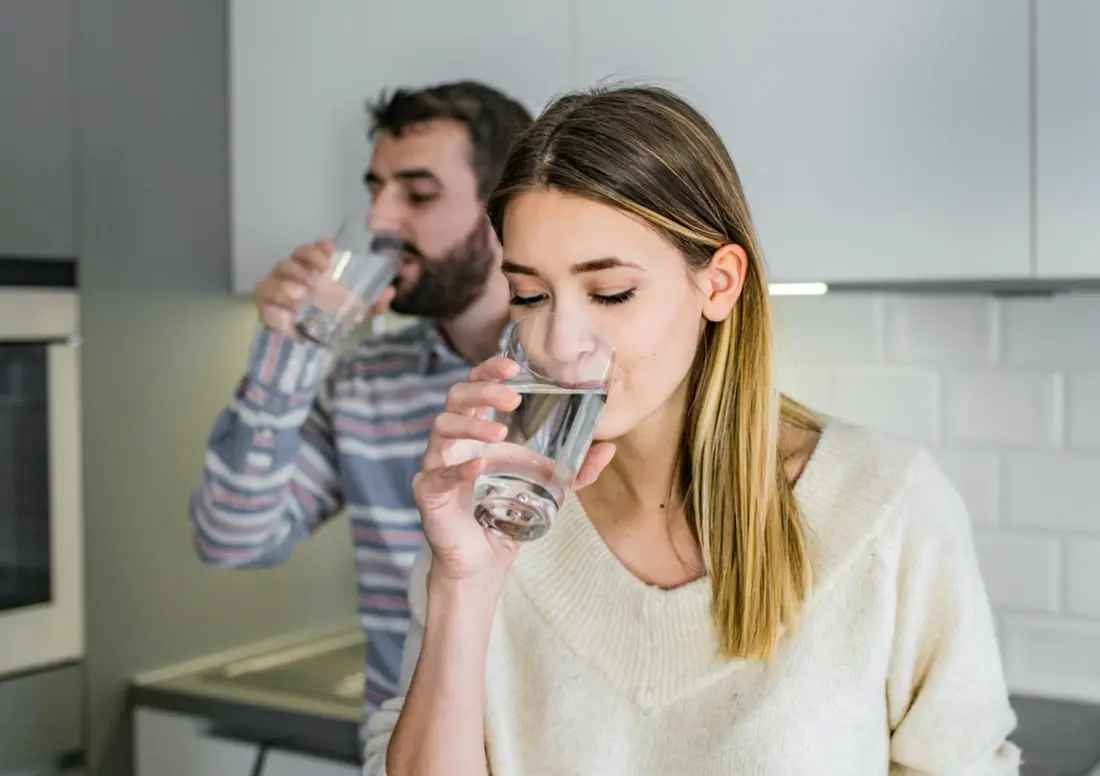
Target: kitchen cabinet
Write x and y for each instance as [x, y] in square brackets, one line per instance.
[300, 74]
[1068, 138]
[168, 744]
[171, 744]
[37, 131]
[282, 763]
[878, 140]
[42, 721]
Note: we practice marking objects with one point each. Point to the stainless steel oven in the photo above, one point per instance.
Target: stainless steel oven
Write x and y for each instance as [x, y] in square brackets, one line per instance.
[41, 535]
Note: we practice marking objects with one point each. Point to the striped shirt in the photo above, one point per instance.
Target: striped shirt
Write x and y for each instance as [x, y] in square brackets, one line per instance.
[301, 443]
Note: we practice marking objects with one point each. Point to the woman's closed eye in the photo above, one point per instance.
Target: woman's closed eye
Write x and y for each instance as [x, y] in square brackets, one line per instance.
[519, 300]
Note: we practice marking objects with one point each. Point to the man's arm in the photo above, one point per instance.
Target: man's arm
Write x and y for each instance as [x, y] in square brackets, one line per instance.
[269, 477]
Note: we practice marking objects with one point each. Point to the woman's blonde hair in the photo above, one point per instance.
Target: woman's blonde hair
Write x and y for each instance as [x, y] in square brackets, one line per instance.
[646, 152]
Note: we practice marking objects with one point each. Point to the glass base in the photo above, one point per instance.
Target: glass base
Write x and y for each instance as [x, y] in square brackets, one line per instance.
[514, 508]
[316, 325]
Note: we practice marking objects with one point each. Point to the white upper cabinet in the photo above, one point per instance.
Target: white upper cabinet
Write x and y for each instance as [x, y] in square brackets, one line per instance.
[36, 129]
[1068, 138]
[878, 140]
[301, 73]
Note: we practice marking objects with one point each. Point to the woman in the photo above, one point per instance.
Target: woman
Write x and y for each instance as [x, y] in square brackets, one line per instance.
[736, 587]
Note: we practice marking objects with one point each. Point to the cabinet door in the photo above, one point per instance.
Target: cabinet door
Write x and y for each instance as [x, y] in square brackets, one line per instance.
[36, 131]
[302, 72]
[878, 140]
[41, 719]
[282, 763]
[1068, 138]
[167, 744]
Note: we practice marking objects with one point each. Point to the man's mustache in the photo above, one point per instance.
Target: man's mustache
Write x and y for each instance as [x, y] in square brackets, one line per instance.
[391, 243]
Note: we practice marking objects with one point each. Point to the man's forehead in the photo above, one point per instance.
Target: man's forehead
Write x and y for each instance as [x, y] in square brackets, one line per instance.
[439, 146]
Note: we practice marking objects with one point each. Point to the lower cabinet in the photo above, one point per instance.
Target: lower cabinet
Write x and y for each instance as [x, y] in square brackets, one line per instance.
[170, 744]
[281, 763]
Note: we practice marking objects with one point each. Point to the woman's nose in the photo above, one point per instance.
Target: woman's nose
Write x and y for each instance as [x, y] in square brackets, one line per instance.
[568, 339]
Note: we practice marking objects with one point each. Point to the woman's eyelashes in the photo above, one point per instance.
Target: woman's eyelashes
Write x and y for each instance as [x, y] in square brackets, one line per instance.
[608, 299]
[619, 298]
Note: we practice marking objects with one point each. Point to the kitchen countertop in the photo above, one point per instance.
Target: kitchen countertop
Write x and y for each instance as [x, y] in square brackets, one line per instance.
[301, 692]
[304, 691]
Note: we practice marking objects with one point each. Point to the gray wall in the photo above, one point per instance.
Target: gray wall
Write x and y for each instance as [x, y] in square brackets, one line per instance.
[164, 345]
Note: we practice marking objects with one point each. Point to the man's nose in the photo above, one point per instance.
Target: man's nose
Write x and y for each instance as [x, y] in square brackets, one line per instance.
[386, 213]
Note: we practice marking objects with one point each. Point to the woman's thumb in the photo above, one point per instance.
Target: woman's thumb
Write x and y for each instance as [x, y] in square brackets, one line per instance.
[436, 488]
[599, 456]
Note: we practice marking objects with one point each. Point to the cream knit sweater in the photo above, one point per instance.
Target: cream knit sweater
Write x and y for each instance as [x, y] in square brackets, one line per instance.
[893, 669]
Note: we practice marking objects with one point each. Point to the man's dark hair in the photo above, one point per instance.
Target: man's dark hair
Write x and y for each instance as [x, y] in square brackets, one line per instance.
[492, 118]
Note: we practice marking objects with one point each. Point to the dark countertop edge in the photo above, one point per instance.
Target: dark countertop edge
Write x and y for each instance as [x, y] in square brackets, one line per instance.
[332, 739]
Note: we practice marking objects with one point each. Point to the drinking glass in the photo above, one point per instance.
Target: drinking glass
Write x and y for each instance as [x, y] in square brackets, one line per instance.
[361, 266]
[565, 370]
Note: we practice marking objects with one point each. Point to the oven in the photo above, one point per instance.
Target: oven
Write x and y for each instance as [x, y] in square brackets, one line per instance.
[41, 536]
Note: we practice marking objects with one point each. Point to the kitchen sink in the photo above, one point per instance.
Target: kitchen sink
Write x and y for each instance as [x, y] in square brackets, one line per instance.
[331, 670]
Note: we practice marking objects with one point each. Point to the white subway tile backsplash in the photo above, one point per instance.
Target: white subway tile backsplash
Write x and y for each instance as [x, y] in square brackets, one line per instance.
[941, 330]
[1053, 492]
[1002, 407]
[1052, 656]
[1006, 394]
[809, 385]
[1021, 573]
[1083, 577]
[1083, 410]
[897, 400]
[1062, 331]
[828, 330]
[976, 476]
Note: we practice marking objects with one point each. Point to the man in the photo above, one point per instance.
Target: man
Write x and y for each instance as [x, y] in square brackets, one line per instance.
[298, 445]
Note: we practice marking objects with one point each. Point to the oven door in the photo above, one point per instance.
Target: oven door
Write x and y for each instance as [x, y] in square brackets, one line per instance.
[41, 537]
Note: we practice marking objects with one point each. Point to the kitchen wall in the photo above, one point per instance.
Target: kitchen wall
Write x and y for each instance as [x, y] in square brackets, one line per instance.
[164, 344]
[1007, 394]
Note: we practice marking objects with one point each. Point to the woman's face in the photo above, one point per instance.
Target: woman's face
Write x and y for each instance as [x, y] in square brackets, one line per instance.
[597, 267]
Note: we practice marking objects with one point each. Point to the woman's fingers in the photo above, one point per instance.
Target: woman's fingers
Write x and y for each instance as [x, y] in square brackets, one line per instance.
[467, 398]
[434, 489]
[448, 425]
[494, 368]
[458, 438]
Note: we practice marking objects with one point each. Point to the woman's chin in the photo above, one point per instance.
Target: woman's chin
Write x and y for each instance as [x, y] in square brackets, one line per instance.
[609, 429]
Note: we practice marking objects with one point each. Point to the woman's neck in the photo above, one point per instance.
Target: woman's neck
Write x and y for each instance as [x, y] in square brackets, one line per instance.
[643, 475]
[635, 504]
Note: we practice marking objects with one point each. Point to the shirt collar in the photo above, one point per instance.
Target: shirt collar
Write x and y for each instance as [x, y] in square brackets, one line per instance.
[437, 354]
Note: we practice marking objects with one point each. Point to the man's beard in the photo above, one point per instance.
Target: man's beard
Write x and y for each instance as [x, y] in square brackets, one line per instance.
[448, 286]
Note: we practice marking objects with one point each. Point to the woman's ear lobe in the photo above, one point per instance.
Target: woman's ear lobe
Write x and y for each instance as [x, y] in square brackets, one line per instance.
[726, 277]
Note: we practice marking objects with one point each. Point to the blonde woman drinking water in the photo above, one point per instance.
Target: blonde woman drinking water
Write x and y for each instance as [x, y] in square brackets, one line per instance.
[734, 585]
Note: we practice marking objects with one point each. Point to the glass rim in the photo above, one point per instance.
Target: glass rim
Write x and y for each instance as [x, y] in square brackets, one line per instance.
[510, 345]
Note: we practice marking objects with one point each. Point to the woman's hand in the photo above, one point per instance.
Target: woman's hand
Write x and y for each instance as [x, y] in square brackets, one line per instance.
[463, 551]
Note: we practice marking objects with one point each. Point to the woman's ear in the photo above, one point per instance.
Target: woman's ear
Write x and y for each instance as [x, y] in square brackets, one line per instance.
[724, 279]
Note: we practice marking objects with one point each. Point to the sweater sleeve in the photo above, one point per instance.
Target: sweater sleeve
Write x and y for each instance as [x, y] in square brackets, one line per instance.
[947, 699]
[269, 476]
[380, 725]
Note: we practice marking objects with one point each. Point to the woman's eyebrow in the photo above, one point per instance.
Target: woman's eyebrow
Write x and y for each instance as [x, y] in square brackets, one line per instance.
[592, 265]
